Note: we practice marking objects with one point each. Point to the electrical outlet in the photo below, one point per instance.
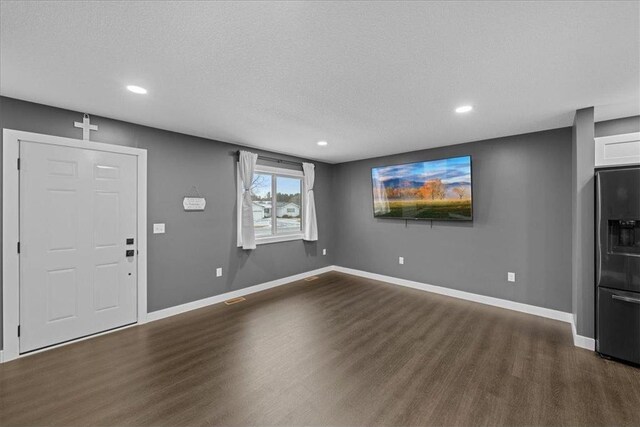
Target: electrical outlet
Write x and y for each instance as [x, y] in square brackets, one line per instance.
[324, 252]
[401, 260]
[511, 277]
[219, 272]
[158, 228]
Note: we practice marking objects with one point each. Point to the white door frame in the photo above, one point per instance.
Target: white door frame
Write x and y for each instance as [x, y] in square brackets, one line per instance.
[11, 221]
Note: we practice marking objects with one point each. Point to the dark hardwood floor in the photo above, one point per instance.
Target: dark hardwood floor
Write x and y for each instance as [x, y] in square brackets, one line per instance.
[340, 350]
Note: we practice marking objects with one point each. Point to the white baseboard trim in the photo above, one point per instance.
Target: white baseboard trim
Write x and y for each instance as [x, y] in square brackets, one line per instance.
[578, 340]
[581, 341]
[496, 302]
[172, 311]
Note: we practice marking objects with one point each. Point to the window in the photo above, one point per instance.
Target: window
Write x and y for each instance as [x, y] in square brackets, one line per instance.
[277, 204]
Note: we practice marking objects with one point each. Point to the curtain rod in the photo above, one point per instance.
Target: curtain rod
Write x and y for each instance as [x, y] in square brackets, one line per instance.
[273, 159]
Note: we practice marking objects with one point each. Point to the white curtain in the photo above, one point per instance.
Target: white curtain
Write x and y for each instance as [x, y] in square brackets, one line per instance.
[309, 209]
[247, 165]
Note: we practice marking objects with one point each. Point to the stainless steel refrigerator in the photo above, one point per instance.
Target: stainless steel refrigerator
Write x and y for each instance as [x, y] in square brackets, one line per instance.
[618, 263]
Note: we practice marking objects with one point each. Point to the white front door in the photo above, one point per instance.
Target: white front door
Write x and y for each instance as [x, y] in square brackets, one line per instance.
[78, 214]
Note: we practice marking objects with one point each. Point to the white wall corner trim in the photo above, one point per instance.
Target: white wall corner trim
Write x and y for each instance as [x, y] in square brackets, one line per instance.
[579, 340]
[183, 308]
[496, 302]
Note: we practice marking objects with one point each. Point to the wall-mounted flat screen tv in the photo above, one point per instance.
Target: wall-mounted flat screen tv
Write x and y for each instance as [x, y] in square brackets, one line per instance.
[434, 189]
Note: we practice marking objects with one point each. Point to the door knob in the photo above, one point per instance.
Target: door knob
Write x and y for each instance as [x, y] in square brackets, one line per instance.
[130, 253]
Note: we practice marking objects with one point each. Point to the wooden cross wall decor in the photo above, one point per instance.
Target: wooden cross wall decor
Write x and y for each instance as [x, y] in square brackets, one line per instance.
[86, 127]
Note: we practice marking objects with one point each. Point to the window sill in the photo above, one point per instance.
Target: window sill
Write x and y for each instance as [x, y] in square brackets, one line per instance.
[277, 239]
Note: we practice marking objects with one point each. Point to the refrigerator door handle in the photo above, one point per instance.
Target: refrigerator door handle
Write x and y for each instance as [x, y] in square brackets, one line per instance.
[626, 299]
[599, 226]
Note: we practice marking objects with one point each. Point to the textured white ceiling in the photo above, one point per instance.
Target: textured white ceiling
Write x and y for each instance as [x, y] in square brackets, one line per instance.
[371, 78]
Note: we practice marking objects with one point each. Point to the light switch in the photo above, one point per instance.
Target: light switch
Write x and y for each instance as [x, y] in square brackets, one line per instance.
[401, 260]
[158, 228]
[219, 272]
[324, 252]
[511, 277]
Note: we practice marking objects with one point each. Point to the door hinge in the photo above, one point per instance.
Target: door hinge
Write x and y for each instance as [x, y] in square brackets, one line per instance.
[18, 163]
[18, 330]
[18, 247]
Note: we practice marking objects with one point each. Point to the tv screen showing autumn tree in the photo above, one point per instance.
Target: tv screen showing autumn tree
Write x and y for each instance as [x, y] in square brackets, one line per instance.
[435, 189]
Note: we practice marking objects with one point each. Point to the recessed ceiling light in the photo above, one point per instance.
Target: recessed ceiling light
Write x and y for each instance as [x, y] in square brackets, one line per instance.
[464, 109]
[137, 89]
[323, 143]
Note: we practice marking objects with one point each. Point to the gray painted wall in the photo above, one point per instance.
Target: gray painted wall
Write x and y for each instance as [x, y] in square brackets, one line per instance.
[522, 215]
[182, 262]
[522, 223]
[618, 126]
[582, 203]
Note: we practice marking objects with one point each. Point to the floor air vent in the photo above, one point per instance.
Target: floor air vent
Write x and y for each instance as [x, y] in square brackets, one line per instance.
[234, 300]
[308, 279]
